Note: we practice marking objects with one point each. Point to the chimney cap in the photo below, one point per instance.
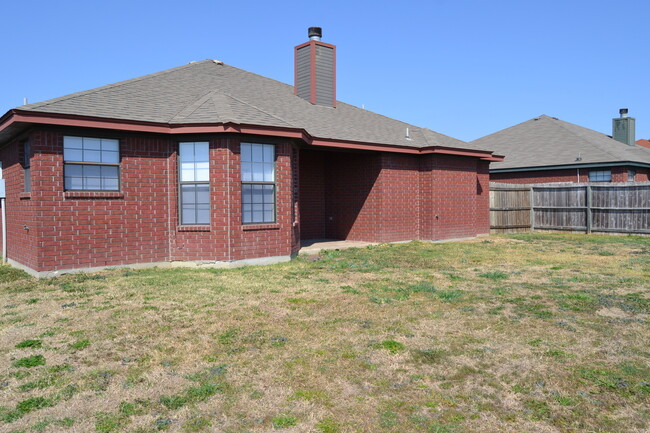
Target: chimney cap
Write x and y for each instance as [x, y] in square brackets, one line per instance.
[315, 33]
[623, 112]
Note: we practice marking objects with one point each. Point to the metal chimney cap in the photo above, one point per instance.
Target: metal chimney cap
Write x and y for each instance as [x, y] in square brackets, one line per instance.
[623, 112]
[315, 33]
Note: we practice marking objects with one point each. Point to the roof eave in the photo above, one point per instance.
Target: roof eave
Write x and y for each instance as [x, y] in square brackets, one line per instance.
[17, 116]
[570, 166]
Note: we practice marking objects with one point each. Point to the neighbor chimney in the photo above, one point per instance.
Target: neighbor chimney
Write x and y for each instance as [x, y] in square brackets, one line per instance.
[623, 128]
[315, 70]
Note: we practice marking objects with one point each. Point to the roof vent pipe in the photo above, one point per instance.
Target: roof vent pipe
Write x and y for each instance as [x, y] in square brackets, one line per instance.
[315, 33]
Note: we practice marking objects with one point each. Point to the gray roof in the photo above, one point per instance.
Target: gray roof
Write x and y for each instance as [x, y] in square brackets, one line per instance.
[212, 92]
[547, 141]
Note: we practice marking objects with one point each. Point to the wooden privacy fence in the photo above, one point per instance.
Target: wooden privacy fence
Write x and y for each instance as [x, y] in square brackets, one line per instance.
[585, 207]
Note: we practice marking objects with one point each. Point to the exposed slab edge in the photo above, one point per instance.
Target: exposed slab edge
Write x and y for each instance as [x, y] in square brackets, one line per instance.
[316, 247]
[175, 264]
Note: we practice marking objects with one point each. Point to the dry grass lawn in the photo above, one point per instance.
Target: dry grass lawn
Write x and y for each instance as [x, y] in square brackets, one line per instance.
[520, 333]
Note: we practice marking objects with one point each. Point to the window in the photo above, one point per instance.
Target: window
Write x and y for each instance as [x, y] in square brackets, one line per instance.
[631, 175]
[258, 183]
[91, 164]
[600, 176]
[194, 182]
[27, 153]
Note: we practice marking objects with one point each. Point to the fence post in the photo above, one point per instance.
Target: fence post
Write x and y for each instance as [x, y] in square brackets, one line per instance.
[589, 204]
[532, 210]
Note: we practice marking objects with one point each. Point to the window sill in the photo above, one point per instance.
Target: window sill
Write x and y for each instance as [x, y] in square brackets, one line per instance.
[195, 228]
[93, 194]
[25, 196]
[273, 226]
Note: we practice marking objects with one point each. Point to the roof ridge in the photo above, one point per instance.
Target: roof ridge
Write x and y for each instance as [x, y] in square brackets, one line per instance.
[604, 149]
[258, 109]
[107, 86]
[500, 131]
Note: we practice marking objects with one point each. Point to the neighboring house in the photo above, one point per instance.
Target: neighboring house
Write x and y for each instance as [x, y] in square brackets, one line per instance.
[209, 163]
[644, 143]
[546, 149]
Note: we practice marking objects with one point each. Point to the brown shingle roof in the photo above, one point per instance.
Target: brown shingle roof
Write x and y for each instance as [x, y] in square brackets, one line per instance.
[548, 141]
[212, 92]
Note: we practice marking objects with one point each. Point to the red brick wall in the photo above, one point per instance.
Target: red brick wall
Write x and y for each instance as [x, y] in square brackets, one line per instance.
[459, 197]
[78, 230]
[140, 223]
[313, 216]
[619, 174]
[22, 227]
[387, 197]
[369, 196]
[400, 198]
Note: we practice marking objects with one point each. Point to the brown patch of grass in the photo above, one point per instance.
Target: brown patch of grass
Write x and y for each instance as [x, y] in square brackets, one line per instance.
[521, 333]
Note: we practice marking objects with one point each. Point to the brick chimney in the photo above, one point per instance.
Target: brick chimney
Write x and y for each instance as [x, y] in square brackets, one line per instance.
[315, 70]
[623, 128]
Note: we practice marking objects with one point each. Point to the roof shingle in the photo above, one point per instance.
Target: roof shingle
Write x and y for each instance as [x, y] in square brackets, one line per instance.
[548, 141]
[210, 92]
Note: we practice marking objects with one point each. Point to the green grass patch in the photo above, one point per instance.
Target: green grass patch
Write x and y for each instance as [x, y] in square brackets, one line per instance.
[32, 344]
[392, 346]
[30, 361]
[284, 421]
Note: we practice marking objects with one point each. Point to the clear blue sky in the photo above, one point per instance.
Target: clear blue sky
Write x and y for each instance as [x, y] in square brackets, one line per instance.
[462, 68]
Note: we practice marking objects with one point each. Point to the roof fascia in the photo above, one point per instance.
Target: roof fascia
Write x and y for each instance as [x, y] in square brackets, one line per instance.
[569, 167]
[19, 116]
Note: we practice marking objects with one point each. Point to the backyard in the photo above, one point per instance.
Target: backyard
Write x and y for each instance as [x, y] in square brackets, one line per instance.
[511, 333]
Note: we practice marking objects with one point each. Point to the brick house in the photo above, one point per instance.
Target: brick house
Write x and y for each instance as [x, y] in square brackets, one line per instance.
[546, 149]
[207, 163]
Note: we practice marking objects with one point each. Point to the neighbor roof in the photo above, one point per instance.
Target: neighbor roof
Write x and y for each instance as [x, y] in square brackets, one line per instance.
[210, 92]
[644, 143]
[547, 141]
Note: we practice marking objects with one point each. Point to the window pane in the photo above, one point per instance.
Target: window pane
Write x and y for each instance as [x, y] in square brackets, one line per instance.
[269, 216]
[246, 216]
[73, 170]
[186, 151]
[256, 196]
[73, 182]
[201, 151]
[110, 157]
[72, 143]
[268, 173]
[110, 145]
[257, 153]
[246, 171]
[202, 194]
[187, 172]
[202, 214]
[268, 194]
[246, 152]
[268, 153]
[92, 183]
[202, 172]
[92, 144]
[188, 215]
[110, 184]
[109, 172]
[258, 172]
[92, 170]
[73, 155]
[188, 194]
[92, 156]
